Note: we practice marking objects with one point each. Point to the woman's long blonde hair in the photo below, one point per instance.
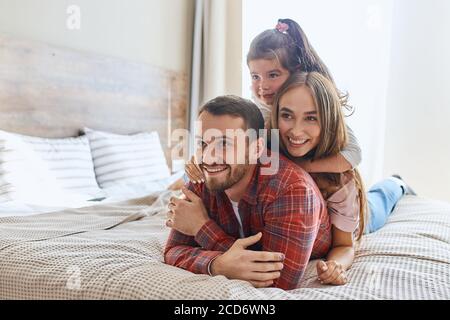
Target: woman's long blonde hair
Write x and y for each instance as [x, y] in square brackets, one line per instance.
[333, 132]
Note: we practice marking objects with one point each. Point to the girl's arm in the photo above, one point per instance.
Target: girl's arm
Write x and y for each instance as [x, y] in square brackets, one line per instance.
[339, 259]
[333, 164]
[177, 185]
[193, 171]
[348, 158]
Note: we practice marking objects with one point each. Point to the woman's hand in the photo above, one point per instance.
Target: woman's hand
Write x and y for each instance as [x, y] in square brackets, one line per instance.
[193, 171]
[331, 272]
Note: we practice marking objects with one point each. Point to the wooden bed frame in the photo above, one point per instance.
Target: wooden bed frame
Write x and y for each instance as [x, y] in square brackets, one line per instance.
[54, 92]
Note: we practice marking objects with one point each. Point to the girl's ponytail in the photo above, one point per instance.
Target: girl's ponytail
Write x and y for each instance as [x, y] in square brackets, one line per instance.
[308, 59]
[306, 55]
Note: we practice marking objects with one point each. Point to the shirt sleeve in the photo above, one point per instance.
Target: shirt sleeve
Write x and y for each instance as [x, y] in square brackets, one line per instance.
[352, 151]
[195, 254]
[182, 251]
[343, 207]
[211, 236]
[291, 225]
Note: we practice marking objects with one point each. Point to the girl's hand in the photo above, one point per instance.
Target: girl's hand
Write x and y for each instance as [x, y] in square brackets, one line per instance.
[177, 185]
[331, 272]
[193, 171]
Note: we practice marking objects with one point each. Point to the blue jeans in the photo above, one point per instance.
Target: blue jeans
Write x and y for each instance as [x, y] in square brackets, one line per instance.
[382, 198]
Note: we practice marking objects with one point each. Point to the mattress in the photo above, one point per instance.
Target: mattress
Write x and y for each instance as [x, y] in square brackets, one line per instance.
[115, 251]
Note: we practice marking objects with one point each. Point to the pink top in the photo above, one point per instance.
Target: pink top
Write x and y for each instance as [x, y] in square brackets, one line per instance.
[343, 207]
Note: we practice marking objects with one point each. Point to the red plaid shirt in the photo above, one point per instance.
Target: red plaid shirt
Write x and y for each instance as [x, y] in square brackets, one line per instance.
[286, 207]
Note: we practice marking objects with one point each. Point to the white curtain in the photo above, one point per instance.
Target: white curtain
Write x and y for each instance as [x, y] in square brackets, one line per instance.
[217, 49]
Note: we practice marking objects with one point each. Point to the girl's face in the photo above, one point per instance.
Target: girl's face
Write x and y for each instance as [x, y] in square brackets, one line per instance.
[298, 121]
[267, 77]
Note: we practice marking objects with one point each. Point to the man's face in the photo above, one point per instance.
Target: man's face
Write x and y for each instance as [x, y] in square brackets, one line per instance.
[224, 157]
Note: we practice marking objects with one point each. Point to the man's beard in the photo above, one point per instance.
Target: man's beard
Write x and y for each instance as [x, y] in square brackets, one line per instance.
[233, 177]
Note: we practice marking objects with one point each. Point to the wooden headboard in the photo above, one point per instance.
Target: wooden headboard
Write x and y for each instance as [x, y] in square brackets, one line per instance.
[53, 92]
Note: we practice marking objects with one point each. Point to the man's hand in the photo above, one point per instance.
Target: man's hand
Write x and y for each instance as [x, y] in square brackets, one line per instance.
[187, 215]
[331, 272]
[260, 268]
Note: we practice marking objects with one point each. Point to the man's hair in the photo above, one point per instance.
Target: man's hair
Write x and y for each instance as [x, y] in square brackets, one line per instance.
[237, 107]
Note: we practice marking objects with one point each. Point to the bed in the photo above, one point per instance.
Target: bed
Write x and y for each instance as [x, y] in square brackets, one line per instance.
[115, 251]
[113, 248]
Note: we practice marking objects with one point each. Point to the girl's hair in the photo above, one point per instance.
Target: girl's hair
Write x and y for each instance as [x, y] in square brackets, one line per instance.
[293, 52]
[291, 48]
[333, 132]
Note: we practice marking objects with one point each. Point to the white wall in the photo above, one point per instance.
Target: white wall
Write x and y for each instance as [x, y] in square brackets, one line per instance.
[418, 117]
[393, 56]
[353, 39]
[150, 31]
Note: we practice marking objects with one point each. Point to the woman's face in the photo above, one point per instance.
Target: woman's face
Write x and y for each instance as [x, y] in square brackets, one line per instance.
[267, 77]
[298, 121]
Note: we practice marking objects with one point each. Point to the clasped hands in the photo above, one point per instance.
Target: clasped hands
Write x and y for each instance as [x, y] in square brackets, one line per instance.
[187, 214]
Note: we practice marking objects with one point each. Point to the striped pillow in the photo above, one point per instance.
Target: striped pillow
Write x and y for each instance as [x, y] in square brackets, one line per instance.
[127, 159]
[66, 161]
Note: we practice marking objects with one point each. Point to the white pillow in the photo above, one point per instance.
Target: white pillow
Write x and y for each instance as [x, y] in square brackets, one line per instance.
[125, 191]
[64, 165]
[125, 159]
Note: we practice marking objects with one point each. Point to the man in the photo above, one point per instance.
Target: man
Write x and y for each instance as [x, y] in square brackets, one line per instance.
[283, 215]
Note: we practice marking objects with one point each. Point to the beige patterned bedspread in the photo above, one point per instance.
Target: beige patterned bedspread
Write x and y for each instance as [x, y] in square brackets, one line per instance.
[116, 252]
